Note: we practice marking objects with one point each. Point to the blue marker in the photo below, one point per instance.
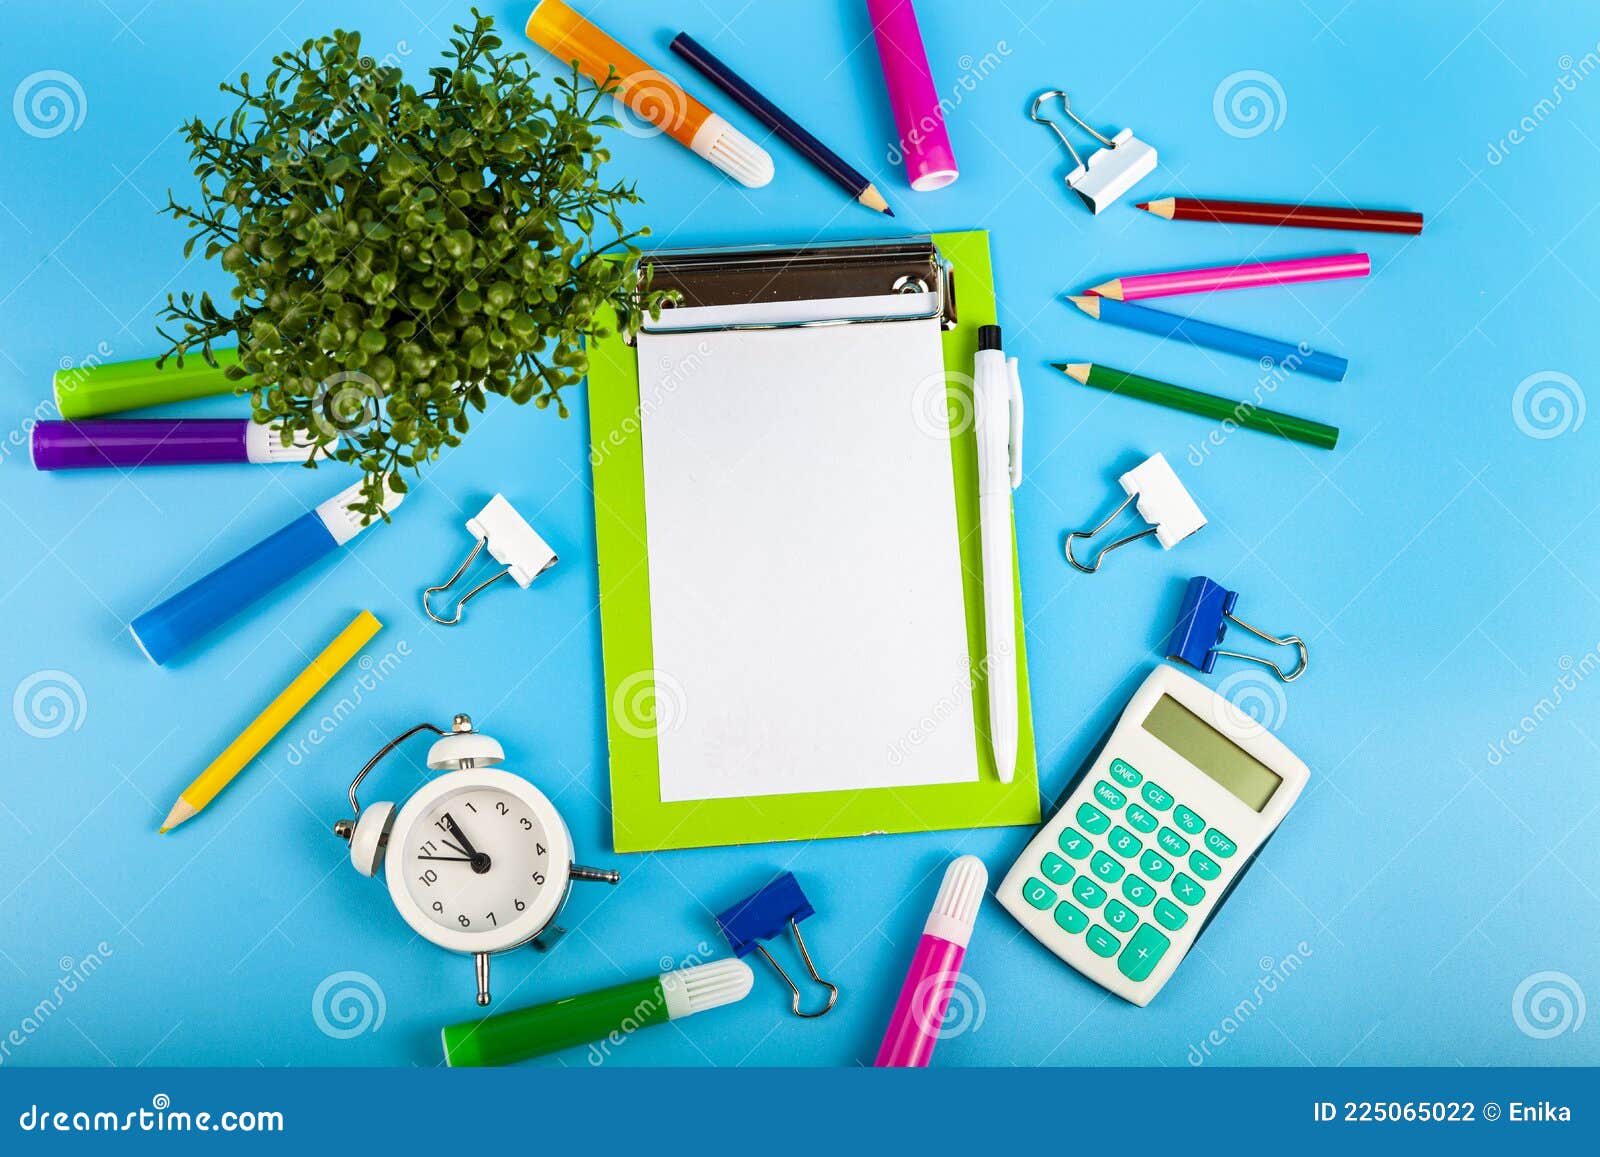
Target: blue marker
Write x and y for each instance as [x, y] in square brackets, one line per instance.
[1281, 354]
[205, 605]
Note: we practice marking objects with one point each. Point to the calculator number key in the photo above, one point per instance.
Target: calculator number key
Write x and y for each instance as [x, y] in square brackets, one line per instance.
[1105, 868]
[1137, 891]
[1087, 892]
[1155, 867]
[1092, 820]
[1036, 892]
[1121, 917]
[1056, 870]
[1123, 842]
[1074, 843]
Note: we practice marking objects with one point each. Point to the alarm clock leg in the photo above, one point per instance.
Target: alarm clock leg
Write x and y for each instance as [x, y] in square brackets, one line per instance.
[481, 960]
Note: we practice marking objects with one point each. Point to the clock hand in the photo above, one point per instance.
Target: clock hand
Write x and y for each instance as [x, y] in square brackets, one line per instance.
[451, 859]
[455, 830]
[454, 847]
[479, 860]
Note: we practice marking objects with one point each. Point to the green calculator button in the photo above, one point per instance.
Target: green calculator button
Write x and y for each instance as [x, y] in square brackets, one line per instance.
[1169, 915]
[1143, 953]
[1140, 818]
[1124, 774]
[1056, 870]
[1188, 821]
[1101, 942]
[1220, 845]
[1108, 796]
[1087, 892]
[1091, 819]
[1204, 866]
[1070, 918]
[1138, 891]
[1038, 893]
[1105, 868]
[1123, 842]
[1121, 917]
[1187, 890]
[1172, 843]
[1151, 865]
[1156, 797]
[1074, 843]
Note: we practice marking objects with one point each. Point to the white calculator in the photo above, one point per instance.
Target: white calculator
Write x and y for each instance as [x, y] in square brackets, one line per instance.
[1153, 835]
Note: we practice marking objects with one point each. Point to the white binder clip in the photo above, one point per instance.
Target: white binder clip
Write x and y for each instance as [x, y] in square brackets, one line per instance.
[510, 541]
[1162, 502]
[1111, 171]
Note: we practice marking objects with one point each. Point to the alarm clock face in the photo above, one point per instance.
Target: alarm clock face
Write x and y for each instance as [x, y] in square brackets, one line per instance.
[478, 860]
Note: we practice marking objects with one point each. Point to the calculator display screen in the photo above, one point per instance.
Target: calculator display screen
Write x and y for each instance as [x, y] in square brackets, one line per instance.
[1202, 745]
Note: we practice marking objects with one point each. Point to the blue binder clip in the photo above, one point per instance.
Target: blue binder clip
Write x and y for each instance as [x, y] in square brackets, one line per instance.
[761, 917]
[1200, 628]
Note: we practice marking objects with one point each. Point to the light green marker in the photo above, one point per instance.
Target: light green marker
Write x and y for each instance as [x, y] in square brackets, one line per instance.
[509, 1037]
[88, 391]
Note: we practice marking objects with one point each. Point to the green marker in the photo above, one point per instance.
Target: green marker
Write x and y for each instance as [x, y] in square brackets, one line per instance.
[509, 1037]
[1245, 414]
[88, 391]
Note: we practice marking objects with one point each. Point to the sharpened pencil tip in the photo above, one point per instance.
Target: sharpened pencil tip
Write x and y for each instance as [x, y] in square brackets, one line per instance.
[888, 210]
[161, 831]
[1145, 205]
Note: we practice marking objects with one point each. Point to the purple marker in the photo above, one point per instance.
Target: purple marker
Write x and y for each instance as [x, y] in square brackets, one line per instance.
[126, 442]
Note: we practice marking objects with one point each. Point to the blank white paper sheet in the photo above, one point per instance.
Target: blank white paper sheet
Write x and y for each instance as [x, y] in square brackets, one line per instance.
[806, 606]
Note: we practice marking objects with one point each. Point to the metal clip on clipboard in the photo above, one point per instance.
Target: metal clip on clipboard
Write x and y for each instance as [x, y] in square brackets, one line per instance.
[813, 281]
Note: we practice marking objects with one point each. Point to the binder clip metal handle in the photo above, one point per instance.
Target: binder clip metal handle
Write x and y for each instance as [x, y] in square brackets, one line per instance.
[510, 541]
[1200, 628]
[761, 917]
[1110, 171]
[1161, 501]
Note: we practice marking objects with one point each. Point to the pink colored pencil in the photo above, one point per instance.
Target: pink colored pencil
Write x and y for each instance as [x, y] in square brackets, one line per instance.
[1250, 275]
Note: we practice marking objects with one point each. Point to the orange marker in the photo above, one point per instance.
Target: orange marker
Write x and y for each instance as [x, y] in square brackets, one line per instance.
[651, 95]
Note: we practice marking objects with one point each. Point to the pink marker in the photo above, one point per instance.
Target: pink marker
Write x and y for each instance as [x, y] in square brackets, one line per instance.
[1251, 275]
[935, 968]
[918, 114]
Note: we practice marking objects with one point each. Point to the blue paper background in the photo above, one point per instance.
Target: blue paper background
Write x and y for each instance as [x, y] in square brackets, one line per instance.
[1441, 562]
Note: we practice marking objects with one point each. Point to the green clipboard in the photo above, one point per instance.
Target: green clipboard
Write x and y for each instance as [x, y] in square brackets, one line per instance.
[640, 820]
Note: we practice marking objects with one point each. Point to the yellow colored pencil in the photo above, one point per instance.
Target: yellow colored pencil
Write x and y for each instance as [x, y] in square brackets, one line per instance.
[264, 727]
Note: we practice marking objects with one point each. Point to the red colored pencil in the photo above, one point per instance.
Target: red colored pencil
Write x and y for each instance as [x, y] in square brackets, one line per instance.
[1292, 216]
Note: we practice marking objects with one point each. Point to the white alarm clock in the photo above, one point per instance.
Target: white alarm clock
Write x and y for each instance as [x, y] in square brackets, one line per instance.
[478, 860]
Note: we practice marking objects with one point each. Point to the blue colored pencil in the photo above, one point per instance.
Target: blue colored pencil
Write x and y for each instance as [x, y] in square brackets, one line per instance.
[780, 122]
[1281, 354]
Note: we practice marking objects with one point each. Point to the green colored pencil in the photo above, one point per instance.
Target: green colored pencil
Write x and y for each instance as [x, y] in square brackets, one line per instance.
[1246, 414]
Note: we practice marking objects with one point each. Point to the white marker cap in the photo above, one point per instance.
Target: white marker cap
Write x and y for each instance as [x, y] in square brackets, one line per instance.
[344, 523]
[955, 910]
[733, 152]
[706, 986]
[263, 444]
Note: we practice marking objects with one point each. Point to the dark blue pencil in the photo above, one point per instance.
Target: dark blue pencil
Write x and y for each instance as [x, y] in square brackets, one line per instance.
[779, 122]
[1281, 354]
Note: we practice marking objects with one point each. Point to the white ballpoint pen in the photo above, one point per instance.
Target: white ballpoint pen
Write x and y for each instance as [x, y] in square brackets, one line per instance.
[997, 396]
